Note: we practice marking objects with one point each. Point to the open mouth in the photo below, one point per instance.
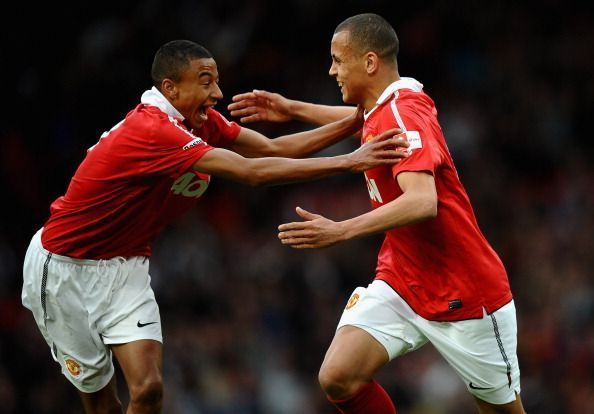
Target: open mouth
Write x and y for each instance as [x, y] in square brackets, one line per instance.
[202, 113]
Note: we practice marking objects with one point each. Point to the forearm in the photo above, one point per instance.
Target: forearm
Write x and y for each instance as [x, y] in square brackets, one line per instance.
[274, 170]
[306, 143]
[271, 170]
[407, 209]
[318, 114]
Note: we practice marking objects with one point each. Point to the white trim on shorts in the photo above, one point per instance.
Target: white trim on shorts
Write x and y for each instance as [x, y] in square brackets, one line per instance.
[83, 306]
[485, 359]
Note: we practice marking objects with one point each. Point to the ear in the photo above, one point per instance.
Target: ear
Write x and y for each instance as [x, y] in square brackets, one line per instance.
[169, 89]
[371, 63]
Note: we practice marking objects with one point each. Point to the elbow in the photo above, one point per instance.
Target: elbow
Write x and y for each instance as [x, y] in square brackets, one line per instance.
[254, 178]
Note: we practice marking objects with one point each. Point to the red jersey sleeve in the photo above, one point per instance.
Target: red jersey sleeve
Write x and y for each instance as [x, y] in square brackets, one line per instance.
[424, 152]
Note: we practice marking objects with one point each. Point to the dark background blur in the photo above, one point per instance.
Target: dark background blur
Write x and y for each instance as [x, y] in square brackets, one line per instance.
[246, 321]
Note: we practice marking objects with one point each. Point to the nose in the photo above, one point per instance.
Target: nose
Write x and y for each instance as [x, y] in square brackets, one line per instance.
[332, 71]
[217, 93]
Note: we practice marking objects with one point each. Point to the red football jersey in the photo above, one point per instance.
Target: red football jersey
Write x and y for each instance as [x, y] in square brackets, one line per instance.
[443, 268]
[135, 181]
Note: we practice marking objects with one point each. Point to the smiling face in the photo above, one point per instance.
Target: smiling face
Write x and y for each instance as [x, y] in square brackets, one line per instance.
[196, 90]
[348, 67]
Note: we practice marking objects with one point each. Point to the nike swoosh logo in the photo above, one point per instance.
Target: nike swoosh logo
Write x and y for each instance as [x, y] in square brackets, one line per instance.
[142, 325]
[471, 385]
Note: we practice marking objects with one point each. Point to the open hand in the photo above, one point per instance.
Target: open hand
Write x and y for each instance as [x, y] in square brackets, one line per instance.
[387, 148]
[315, 232]
[260, 106]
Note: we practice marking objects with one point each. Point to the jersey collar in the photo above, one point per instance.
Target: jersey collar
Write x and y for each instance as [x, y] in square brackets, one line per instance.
[153, 97]
[402, 83]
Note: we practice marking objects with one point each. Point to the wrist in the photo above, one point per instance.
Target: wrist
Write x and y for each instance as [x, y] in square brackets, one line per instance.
[350, 162]
[295, 110]
[344, 231]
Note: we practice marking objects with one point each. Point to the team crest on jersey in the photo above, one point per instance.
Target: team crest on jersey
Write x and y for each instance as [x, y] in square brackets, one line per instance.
[352, 301]
[367, 138]
[73, 366]
[192, 143]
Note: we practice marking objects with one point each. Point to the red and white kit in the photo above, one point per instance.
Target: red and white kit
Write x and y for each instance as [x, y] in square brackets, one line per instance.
[86, 272]
[444, 268]
[437, 280]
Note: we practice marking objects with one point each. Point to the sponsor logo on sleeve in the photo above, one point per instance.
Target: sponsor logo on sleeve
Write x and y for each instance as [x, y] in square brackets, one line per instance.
[192, 143]
[414, 140]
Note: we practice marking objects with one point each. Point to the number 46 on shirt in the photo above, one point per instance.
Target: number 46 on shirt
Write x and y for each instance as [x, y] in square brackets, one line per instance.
[189, 185]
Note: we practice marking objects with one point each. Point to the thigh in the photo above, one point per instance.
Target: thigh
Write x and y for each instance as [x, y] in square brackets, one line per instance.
[141, 361]
[354, 353]
[483, 353]
[103, 401]
[514, 407]
[384, 316]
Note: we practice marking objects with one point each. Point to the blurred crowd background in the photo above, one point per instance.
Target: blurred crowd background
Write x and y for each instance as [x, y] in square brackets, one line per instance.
[246, 321]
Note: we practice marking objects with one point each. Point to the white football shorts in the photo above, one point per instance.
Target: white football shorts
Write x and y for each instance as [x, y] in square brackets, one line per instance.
[83, 306]
[482, 351]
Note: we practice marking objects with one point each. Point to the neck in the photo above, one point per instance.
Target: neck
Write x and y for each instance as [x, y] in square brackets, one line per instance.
[378, 86]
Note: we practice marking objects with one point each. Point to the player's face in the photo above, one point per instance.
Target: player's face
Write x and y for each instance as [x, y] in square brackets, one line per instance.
[348, 67]
[197, 90]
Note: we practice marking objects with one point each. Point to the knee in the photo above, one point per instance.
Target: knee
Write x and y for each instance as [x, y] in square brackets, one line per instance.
[337, 382]
[149, 393]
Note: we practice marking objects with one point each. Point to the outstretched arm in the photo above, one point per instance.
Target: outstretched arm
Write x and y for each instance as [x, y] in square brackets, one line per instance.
[272, 107]
[417, 203]
[250, 143]
[382, 150]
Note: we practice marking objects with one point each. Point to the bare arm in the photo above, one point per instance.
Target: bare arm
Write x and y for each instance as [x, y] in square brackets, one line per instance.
[250, 143]
[417, 203]
[275, 170]
[272, 107]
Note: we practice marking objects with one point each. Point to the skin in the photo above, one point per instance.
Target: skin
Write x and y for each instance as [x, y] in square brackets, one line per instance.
[354, 356]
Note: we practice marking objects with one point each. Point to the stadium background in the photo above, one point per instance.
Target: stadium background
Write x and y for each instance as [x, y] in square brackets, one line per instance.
[246, 321]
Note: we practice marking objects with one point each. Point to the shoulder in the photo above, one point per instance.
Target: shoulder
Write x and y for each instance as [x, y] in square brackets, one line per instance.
[218, 127]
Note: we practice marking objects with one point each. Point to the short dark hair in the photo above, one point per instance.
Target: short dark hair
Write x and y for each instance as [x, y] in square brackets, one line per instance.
[371, 33]
[173, 58]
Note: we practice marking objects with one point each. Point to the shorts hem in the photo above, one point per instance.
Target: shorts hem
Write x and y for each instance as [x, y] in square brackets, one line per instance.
[127, 340]
[89, 389]
[375, 334]
[498, 401]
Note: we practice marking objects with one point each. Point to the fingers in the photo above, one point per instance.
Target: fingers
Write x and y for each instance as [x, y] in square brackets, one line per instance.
[393, 148]
[306, 214]
[294, 226]
[242, 109]
[294, 239]
[243, 96]
[297, 239]
[388, 133]
[251, 118]
[263, 94]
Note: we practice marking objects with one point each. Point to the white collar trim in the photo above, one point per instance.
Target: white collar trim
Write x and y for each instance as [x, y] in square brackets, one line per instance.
[402, 83]
[153, 97]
